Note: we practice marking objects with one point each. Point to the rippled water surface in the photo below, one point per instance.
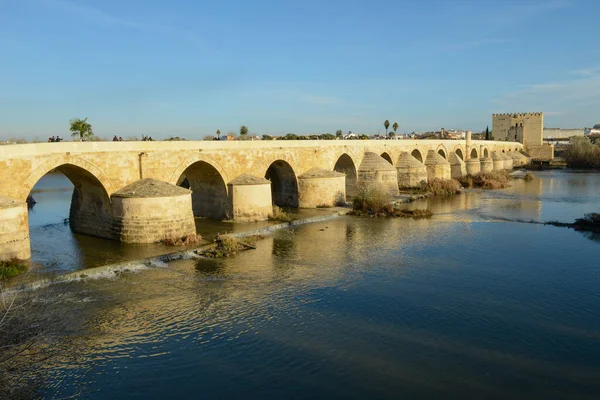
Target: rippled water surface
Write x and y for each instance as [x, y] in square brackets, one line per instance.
[469, 303]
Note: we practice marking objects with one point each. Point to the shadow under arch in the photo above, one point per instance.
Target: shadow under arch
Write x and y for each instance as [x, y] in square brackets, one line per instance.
[474, 153]
[486, 153]
[459, 153]
[417, 154]
[209, 190]
[90, 211]
[442, 153]
[345, 165]
[284, 185]
[387, 157]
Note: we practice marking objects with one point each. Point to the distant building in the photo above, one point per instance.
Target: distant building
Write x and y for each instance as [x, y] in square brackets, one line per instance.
[526, 128]
[522, 127]
[558, 133]
[227, 137]
[591, 131]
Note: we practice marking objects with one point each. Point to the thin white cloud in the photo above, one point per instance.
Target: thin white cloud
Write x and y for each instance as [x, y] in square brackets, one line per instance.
[474, 44]
[100, 17]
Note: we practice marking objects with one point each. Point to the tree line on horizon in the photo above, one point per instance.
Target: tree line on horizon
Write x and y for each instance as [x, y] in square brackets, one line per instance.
[81, 128]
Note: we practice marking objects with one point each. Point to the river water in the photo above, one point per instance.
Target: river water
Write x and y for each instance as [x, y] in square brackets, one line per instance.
[475, 302]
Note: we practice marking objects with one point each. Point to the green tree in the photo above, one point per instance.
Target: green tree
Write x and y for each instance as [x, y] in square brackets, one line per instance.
[338, 133]
[243, 131]
[487, 133]
[387, 125]
[219, 133]
[267, 137]
[395, 126]
[81, 128]
[597, 126]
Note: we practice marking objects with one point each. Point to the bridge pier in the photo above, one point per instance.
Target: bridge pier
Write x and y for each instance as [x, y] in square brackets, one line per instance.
[458, 169]
[473, 166]
[437, 166]
[375, 170]
[411, 172]
[250, 198]
[149, 211]
[14, 230]
[508, 162]
[319, 187]
[498, 161]
[487, 164]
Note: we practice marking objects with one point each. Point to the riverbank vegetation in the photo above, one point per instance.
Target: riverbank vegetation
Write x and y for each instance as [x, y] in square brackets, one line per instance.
[492, 179]
[187, 240]
[280, 215]
[487, 180]
[225, 246]
[11, 268]
[589, 223]
[371, 200]
[441, 187]
[583, 153]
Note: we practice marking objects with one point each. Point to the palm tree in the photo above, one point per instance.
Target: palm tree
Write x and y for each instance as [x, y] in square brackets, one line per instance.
[81, 127]
[387, 125]
[395, 126]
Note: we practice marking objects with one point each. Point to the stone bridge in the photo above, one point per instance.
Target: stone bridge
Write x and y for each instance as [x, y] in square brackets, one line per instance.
[114, 199]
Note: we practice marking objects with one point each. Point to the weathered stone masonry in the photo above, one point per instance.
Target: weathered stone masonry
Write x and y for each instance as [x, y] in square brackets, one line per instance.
[281, 171]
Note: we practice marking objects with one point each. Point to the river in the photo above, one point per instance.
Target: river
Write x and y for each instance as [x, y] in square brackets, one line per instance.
[475, 302]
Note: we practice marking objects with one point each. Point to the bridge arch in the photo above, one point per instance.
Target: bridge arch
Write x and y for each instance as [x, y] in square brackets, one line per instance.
[387, 157]
[209, 190]
[474, 153]
[90, 210]
[441, 150]
[417, 154]
[458, 151]
[346, 165]
[284, 184]
[79, 170]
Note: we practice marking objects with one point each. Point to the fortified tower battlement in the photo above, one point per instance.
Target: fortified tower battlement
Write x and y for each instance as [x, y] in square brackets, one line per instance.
[515, 115]
[526, 128]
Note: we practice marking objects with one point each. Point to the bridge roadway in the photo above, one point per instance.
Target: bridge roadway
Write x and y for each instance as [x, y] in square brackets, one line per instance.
[98, 170]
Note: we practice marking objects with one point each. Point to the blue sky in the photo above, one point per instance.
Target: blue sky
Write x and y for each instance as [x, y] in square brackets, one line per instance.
[190, 67]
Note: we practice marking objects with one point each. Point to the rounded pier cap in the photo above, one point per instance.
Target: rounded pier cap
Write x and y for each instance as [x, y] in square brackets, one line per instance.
[247, 179]
[373, 161]
[496, 156]
[406, 160]
[433, 158]
[317, 173]
[150, 187]
[454, 159]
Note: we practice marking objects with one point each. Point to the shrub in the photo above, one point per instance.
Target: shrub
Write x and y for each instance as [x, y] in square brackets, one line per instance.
[487, 180]
[187, 240]
[225, 246]
[415, 214]
[372, 199]
[279, 214]
[528, 176]
[11, 268]
[441, 186]
[582, 153]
